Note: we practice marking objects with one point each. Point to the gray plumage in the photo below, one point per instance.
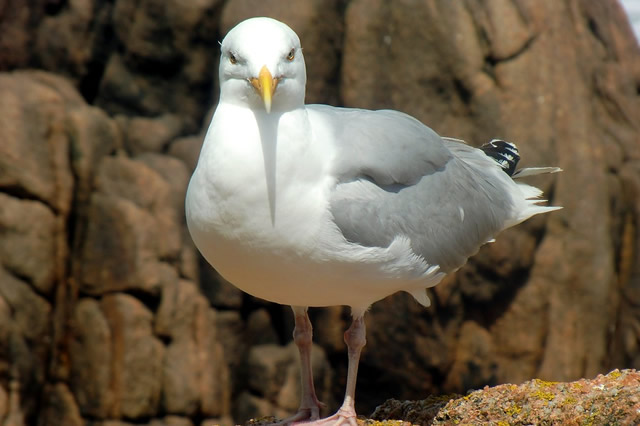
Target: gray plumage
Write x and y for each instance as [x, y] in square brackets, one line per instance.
[399, 177]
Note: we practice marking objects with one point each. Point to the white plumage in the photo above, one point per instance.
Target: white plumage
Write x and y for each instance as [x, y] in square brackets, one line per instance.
[317, 206]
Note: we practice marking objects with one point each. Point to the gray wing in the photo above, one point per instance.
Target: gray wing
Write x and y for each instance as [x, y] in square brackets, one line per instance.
[387, 146]
[398, 177]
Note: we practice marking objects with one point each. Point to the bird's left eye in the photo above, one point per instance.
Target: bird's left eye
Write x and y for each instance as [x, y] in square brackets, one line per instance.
[291, 55]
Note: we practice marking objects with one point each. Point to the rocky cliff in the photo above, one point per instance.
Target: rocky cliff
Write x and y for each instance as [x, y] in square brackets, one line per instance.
[109, 316]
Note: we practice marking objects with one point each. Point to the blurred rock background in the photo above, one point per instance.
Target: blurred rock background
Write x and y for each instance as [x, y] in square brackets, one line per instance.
[108, 316]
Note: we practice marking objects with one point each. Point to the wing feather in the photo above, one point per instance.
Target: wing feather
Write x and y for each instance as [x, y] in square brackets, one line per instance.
[397, 177]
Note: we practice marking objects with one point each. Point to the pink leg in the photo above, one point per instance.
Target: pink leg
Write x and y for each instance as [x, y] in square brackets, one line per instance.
[355, 338]
[302, 335]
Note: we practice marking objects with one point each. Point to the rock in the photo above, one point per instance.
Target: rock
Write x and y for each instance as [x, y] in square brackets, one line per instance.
[91, 360]
[175, 174]
[137, 357]
[34, 160]
[289, 395]
[127, 233]
[195, 375]
[610, 399]
[187, 149]
[4, 402]
[29, 311]
[171, 421]
[273, 373]
[132, 218]
[132, 181]
[93, 136]
[72, 39]
[259, 329]
[24, 348]
[28, 231]
[231, 329]
[266, 367]
[473, 366]
[14, 50]
[220, 292]
[248, 406]
[164, 61]
[116, 360]
[60, 407]
[150, 134]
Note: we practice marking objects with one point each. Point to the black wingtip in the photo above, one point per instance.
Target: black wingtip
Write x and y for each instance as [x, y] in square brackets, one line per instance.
[504, 153]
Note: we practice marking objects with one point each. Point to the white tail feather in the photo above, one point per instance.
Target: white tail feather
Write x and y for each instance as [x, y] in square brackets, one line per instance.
[532, 171]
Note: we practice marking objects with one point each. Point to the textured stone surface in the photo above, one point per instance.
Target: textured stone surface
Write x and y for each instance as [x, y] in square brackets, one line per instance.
[273, 381]
[35, 149]
[61, 407]
[163, 60]
[131, 217]
[91, 360]
[195, 375]
[136, 355]
[610, 399]
[28, 241]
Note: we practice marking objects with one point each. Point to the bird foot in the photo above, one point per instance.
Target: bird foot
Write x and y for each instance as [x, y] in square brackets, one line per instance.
[342, 417]
[304, 414]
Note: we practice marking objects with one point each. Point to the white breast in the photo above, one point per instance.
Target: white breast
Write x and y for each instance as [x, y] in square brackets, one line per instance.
[258, 212]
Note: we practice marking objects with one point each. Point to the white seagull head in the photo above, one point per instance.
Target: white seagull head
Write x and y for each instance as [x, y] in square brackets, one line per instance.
[262, 66]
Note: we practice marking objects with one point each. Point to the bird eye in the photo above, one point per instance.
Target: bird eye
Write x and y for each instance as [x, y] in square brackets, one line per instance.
[232, 58]
[291, 55]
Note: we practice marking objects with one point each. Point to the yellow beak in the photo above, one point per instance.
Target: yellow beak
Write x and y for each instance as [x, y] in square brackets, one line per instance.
[265, 84]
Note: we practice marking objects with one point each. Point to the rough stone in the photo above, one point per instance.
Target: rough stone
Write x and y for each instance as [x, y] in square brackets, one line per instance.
[34, 160]
[60, 407]
[132, 230]
[187, 149]
[15, 37]
[119, 251]
[473, 366]
[220, 292]
[164, 61]
[195, 375]
[137, 357]
[28, 241]
[274, 375]
[93, 136]
[137, 183]
[91, 360]
[175, 174]
[171, 421]
[71, 38]
[259, 329]
[231, 328]
[610, 399]
[30, 311]
[4, 402]
[267, 366]
[248, 406]
[150, 134]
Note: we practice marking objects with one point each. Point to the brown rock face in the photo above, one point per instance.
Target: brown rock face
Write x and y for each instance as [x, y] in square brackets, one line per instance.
[108, 314]
[610, 399]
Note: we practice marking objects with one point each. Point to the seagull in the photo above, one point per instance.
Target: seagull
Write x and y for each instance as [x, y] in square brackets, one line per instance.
[315, 205]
